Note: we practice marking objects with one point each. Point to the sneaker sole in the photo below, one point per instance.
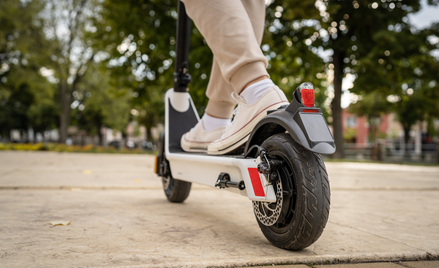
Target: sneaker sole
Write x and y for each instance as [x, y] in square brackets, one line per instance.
[242, 135]
[191, 147]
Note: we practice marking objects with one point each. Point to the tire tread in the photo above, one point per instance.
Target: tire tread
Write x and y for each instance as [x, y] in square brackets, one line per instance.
[180, 191]
[314, 212]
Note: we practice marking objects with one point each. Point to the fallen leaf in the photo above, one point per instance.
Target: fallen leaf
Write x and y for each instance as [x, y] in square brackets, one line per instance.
[87, 172]
[62, 223]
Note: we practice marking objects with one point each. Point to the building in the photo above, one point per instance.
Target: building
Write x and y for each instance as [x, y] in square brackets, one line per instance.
[356, 131]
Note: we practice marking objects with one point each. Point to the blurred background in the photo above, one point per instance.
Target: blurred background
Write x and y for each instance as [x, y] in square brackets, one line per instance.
[92, 74]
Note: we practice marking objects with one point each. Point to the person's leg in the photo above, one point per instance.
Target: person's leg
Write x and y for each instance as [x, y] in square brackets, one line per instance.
[228, 29]
[220, 106]
[221, 103]
[233, 31]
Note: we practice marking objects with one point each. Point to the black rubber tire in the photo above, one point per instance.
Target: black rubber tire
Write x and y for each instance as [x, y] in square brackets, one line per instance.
[306, 208]
[177, 191]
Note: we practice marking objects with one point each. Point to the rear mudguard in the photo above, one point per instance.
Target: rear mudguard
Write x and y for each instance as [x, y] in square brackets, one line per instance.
[307, 126]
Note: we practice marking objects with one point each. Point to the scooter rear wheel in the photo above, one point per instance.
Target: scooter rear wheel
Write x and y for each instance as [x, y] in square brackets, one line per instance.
[302, 190]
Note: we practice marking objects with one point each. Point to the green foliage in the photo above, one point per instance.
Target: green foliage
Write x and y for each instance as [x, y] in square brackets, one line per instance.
[140, 39]
[26, 97]
[291, 61]
[113, 61]
[399, 75]
[97, 104]
[347, 29]
[67, 148]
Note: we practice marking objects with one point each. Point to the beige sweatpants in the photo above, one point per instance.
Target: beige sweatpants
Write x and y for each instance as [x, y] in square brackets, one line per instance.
[233, 30]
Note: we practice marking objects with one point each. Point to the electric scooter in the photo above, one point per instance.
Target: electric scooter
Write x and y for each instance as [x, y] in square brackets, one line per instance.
[279, 168]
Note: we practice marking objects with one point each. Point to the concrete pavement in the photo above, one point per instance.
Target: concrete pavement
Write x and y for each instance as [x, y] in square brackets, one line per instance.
[119, 216]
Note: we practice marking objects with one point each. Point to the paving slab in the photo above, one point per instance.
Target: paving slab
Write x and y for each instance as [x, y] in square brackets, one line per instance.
[420, 264]
[285, 266]
[130, 223]
[413, 264]
[361, 265]
[375, 177]
[18, 169]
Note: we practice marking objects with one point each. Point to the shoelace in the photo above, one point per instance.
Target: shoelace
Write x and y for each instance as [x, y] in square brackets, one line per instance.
[239, 100]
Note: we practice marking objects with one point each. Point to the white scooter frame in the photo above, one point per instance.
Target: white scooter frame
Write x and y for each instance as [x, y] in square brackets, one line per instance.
[204, 169]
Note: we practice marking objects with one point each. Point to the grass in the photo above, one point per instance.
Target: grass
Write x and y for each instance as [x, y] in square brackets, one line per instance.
[54, 147]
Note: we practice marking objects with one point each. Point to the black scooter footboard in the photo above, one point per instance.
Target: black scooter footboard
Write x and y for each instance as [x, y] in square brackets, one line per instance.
[179, 123]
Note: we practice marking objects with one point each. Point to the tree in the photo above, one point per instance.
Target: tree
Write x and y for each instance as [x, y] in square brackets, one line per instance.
[291, 61]
[25, 95]
[69, 28]
[97, 104]
[139, 37]
[345, 28]
[142, 38]
[401, 70]
[141, 41]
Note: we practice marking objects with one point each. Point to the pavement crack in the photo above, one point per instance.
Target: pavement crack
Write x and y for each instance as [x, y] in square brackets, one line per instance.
[401, 264]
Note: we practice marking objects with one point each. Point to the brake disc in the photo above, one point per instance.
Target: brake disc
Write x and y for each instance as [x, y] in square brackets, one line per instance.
[268, 213]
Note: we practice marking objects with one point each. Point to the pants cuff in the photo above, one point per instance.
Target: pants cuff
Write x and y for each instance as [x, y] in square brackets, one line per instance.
[246, 74]
[220, 109]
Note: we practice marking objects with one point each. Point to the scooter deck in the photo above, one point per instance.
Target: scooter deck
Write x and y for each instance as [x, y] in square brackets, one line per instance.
[238, 156]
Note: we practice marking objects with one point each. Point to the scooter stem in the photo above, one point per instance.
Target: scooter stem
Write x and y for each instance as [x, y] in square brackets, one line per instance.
[181, 76]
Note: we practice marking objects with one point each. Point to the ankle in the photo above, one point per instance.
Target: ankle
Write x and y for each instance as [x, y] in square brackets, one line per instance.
[254, 92]
[211, 123]
[255, 81]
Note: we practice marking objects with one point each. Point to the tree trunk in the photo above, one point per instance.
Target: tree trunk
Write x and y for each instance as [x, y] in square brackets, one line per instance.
[124, 139]
[406, 141]
[437, 153]
[148, 134]
[337, 124]
[64, 117]
[100, 136]
[104, 137]
[373, 129]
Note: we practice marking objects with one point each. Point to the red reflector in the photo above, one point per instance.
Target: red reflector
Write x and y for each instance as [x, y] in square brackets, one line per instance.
[256, 182]
[310, 111]
[307, 97]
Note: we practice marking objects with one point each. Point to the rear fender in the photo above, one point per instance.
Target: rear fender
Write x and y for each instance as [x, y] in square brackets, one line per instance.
[306, 126]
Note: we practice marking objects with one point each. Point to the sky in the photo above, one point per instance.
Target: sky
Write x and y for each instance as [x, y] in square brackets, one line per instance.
[426, 16]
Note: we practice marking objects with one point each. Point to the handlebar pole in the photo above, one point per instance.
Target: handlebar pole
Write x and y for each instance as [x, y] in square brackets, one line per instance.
[181, 75]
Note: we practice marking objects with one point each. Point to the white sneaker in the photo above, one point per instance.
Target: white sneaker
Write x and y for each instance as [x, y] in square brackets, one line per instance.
[246, 118]
[197, 139]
